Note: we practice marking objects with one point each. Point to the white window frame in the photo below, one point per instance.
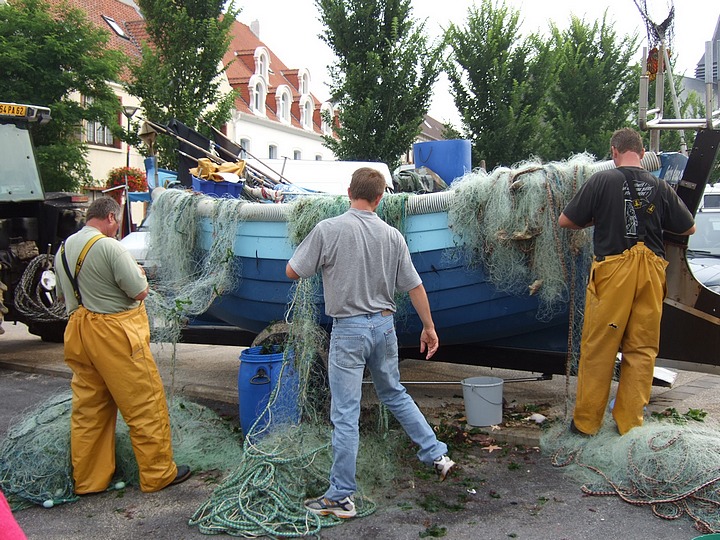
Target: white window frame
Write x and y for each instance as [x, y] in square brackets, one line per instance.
[306, 112]
[272, 151]
[258, 92]
[245, 145]
[262, 63]
[284, 103]
[96, 133]
[304, 82]
[112, 23]
[325, 127]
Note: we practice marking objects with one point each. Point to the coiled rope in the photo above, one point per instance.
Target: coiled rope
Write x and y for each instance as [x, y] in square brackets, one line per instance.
[32, 299]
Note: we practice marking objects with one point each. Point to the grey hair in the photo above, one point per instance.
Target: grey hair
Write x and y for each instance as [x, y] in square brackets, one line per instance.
[102, 208]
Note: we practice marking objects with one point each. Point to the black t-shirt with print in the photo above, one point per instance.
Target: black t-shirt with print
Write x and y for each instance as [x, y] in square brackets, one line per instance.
[606, 201]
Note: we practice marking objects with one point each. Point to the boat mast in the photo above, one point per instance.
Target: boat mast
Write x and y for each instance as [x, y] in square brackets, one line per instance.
[654, 120]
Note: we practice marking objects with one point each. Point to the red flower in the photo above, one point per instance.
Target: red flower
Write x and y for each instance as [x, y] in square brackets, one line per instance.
[136, 181]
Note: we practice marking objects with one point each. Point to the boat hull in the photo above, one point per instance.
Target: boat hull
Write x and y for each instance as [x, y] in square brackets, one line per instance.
[467, 308]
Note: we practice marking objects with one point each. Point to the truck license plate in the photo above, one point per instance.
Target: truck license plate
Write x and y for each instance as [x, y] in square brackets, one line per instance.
[9, 109]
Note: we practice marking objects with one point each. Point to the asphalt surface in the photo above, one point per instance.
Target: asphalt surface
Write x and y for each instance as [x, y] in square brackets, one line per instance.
[505, 487]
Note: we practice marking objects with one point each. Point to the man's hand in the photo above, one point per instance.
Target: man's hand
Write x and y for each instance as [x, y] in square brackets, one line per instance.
[429, 340]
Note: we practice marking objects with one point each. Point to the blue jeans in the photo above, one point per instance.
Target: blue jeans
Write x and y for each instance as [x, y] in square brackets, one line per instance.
[355, 342]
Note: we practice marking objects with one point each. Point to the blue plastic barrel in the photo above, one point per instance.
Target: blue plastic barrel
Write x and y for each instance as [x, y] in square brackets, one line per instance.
[448, 159]
[258, 375]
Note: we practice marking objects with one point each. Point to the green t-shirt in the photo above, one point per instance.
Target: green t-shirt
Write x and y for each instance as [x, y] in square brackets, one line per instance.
[109, 279]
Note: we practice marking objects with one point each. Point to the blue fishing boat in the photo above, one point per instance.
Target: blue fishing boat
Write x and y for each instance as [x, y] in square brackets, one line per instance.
[478, 320]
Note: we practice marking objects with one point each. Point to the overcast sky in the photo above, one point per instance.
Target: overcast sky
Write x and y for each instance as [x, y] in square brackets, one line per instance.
[291, 28]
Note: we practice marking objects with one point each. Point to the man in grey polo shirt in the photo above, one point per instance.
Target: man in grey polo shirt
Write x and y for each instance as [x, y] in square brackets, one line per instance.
[364, 261]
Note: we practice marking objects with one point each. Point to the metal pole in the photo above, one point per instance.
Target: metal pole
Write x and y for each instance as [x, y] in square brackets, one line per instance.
[709, 83]
[673, 96]
[127, 161]
[129, 112]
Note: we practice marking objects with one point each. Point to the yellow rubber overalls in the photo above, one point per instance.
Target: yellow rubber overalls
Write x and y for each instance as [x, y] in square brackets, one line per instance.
[623, 308]
[113, 368]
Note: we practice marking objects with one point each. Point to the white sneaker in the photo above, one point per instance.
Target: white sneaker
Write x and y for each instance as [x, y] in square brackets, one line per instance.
[344, 508]
[443, 465]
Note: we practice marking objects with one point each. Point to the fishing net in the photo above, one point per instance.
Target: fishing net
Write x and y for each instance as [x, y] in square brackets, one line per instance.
[186, 276]
[658, 17]
[35, 465]
[504, 222]
[507, 223]
[673, 469]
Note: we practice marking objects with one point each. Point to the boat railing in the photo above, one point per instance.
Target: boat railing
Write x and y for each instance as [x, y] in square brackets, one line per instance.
[417, 204]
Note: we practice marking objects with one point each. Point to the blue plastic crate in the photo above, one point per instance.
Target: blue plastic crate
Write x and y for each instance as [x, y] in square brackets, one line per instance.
[218, 189]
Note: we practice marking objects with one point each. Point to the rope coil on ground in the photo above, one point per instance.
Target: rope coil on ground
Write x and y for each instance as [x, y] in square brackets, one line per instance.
[35, 301]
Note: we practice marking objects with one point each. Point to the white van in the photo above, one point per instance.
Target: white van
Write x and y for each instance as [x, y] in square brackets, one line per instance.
[703, 252]
[711, 196]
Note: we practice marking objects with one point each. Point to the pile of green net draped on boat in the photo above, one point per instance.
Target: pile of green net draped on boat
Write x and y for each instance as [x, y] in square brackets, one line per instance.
[504, 222]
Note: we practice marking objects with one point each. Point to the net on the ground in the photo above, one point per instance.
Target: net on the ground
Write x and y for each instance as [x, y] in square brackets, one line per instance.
[672, 469]
[35, 465]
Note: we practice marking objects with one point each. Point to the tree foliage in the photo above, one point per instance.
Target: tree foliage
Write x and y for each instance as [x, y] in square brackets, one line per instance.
[499, 83]
[382, 79]
[594, 88]
[179, 75]
[47, 55]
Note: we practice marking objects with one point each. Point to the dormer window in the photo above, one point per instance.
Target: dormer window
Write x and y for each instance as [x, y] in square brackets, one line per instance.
[284, 106]
[306, 110]
[258, 91]
[305, 83]
[262, 63]
[258, 97]
[326, 117]
[284, 100]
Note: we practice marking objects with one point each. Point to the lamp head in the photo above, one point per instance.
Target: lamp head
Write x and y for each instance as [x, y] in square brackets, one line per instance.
[129, 111]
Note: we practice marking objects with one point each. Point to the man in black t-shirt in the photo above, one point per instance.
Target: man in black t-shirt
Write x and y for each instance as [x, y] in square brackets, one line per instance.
[629, 209]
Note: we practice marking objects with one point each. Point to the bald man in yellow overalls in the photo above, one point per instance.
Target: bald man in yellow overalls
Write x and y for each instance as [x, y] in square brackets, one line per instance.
[629, 209]
[107, 346]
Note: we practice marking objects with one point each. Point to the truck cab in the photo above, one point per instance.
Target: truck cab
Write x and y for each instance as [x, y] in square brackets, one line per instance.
[32, 226]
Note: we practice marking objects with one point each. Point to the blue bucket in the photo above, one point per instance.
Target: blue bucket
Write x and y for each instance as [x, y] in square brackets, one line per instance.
[258, 376]
[448, 159]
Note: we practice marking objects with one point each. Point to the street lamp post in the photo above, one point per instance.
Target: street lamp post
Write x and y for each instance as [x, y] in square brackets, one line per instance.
[129, 111]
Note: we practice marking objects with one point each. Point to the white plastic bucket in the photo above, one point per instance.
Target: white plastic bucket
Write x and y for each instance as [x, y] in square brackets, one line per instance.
[483, 400]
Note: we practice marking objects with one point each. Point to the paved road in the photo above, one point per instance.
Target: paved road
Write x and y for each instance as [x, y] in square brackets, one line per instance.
[513, 493]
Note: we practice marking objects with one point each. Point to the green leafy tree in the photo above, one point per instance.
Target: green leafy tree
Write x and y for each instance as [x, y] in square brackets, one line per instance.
[179, 75]
[47, 54]
[449, 131]
[594, 90]
[382, 79]
[499, 83]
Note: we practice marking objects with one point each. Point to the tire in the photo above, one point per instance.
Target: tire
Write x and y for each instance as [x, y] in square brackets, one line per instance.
[51, 332]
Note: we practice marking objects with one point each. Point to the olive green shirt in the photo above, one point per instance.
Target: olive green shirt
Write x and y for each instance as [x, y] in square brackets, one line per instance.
[109, 279]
